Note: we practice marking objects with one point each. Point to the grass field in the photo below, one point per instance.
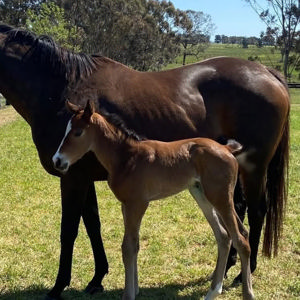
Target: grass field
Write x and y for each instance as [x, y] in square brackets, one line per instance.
[178, 250]
[265, 55]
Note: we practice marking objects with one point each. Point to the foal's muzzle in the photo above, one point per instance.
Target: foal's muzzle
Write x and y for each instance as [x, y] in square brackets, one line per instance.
[60, 163]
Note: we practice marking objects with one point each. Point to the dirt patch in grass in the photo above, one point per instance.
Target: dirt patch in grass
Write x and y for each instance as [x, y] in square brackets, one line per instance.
[7, 115]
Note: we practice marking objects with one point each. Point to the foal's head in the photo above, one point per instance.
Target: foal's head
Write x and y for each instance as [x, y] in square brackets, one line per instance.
[78, 137]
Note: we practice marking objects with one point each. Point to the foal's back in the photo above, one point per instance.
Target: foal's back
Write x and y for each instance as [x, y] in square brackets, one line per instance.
[159, 169]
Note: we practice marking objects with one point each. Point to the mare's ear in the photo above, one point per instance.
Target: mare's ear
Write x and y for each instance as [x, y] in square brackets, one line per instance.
[73, 108]
[89, 110]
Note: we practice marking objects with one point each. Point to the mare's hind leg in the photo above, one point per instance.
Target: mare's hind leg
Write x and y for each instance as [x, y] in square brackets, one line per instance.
[221, 236]
[90, 216]
[254, 189]
[132, 214]
[254, 184]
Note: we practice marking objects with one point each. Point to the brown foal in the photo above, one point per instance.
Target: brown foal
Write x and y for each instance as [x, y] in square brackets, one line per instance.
[141, 171]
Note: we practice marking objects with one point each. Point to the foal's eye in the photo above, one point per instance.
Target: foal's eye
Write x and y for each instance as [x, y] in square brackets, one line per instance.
[78, 132]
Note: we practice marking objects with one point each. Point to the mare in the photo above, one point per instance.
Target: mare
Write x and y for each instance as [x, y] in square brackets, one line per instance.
[142, 171]
[34, 73]
[219, 98]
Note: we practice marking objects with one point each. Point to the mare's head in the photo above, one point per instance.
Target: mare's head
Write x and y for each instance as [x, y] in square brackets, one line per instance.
[78, 137]
[35, 72]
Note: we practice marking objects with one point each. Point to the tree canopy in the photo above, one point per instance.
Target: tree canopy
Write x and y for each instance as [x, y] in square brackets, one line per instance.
[194, 36]
[282, 20]
[143, 34]
[50, 19]
[13, 12]
[134, 32]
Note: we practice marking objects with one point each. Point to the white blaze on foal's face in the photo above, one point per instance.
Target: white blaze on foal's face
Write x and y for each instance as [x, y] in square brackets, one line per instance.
[74, 144]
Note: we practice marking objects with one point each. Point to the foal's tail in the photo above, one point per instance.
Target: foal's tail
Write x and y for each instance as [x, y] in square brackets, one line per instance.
[233, 146]
[277, 188]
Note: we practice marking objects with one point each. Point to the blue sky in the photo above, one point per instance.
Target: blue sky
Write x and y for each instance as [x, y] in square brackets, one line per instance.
[231, 17]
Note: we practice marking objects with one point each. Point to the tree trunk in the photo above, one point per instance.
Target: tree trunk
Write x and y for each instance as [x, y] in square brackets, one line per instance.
[286, 63]
[184, 57]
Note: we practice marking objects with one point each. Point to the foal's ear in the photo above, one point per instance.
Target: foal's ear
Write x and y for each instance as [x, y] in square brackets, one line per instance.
[89, 110]
[73, 108]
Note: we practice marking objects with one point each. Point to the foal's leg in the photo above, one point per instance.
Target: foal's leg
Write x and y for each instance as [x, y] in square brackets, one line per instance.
[91, 220]
[239, 238]
[219, 189]
[254, 189]
[222, 238]
[240, 207]
[132, 214]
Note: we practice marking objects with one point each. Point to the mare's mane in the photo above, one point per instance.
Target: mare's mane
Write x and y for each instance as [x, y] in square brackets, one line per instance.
[48, 55]
[43, 51]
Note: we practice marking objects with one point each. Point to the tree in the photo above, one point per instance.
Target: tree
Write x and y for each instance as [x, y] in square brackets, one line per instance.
[50, 20]
[218, 39]
[282, 19]
[225, 39]
[139, 33]
[245, 43]
[196, 35]
[13, 12]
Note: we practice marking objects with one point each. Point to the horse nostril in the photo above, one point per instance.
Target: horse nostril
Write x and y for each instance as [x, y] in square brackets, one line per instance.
[60, 163]
[57, 162]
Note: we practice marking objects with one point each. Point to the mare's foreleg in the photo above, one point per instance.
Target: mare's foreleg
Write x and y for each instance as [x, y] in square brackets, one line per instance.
[132, 214]
[91, 220]
[222, 238]
[73, 194]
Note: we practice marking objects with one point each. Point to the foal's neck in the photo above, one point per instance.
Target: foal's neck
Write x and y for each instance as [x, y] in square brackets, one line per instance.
[110, 144]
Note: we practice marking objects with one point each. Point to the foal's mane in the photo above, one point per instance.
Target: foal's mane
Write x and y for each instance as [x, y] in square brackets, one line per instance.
[120, 125]
[47, 54]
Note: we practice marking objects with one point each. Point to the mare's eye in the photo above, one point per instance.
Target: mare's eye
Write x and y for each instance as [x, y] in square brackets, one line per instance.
[78, 132]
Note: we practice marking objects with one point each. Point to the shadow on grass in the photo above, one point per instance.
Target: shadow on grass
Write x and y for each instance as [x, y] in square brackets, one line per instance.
[197, 289]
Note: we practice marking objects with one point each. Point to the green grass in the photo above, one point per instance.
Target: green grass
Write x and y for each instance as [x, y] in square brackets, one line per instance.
[295, 96]
[178, 251]
[265, 55]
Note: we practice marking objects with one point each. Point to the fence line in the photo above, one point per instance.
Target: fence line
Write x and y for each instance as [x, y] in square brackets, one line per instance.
[294, 85]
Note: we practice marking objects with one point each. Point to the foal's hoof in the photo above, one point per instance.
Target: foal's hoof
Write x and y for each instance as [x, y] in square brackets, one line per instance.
[91, 290]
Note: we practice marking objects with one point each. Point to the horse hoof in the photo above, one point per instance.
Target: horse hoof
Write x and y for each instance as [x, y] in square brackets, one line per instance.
[237, 280]
[91, 290]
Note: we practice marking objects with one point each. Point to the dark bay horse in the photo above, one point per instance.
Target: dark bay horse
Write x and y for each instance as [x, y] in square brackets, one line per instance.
[220, 98]
[139, 171]
[34, 73]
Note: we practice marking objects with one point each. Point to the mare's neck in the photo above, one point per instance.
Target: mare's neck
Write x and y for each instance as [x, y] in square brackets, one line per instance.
[29, 90]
